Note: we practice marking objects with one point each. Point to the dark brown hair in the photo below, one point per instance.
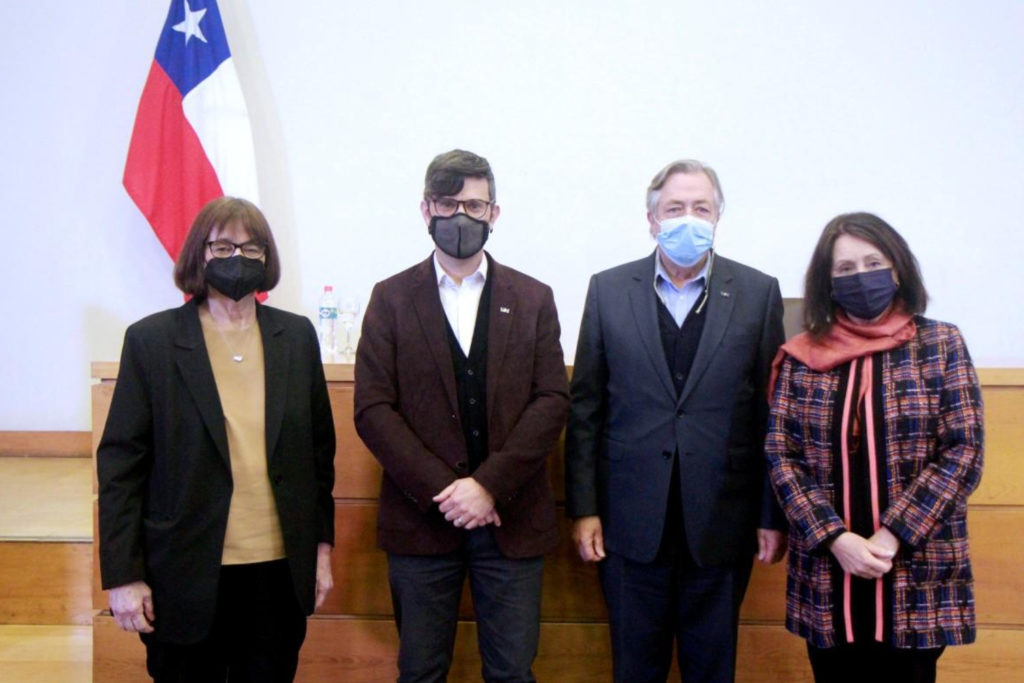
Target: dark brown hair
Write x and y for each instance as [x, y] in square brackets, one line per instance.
[188, 269]
[447, 173]
[818, 303]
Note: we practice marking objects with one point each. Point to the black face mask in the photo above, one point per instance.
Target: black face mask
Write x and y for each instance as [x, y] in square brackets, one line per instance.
[459, 236]
[865, 295]
[235, 276]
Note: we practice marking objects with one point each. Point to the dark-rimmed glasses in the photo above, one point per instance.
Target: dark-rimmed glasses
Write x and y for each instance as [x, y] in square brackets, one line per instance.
[474, 208]
[226, 249]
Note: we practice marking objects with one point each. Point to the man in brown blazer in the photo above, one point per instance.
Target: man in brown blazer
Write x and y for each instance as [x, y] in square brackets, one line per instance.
[461, 394]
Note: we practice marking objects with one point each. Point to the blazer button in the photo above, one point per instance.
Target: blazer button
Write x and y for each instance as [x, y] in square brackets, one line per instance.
[454, 417]
[461, 465]
[666, 454]
[680, 413]
[470, 372]
[278, 479]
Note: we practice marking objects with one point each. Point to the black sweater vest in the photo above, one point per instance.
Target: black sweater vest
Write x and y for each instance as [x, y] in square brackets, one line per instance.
[471, 381]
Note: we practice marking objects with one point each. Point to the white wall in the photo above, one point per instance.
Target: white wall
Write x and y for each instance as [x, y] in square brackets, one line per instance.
[807, 109]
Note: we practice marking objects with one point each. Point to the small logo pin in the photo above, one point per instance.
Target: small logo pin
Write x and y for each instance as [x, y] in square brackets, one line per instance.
[725, 294]
[504, 309]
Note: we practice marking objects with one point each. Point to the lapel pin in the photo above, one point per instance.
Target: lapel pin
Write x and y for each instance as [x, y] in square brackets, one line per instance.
[504, 309]
[724, 293]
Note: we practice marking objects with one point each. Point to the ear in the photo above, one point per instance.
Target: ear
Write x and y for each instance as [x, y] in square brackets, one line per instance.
[425, 210]
[495, 212]
[655, 226]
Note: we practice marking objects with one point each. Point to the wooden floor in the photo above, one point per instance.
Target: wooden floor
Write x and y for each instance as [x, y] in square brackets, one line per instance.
[45, 538]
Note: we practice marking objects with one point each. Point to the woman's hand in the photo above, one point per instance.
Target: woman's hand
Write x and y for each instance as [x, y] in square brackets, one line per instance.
[132, 607]
[324, 577]
[862, 557]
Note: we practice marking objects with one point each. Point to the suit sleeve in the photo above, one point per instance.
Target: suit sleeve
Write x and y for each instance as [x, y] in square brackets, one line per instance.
[587, 411]
[772, 337]
[535, 434]
[945, 482]
[123, 462]
[324, 445]
[419, 473]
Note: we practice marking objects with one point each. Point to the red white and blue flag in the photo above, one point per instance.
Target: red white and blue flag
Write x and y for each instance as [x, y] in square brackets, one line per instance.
[192, 140]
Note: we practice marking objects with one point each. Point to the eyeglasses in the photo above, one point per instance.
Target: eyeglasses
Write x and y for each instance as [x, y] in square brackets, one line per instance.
[446, 206]
[226, 249]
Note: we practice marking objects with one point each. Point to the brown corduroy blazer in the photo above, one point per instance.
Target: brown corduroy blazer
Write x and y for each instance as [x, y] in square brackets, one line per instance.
[407, 411]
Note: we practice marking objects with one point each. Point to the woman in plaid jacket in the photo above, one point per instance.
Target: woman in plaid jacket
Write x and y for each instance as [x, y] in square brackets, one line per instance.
[874, 443]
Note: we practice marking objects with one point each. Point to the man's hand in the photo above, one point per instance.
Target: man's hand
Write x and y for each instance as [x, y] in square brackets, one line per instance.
[861, 557]
[324, 578]
[771, 545]
[132, 607]
[588, 537]
[467, 504]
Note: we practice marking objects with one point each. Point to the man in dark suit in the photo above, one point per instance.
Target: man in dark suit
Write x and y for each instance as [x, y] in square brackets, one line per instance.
[460, 393]
[664, 465]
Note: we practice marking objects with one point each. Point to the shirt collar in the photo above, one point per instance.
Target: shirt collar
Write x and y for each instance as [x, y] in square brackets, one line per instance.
[442, 277]
[660, 274]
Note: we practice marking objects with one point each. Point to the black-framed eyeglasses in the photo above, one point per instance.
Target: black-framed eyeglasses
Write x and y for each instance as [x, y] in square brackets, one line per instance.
[474, 208]
[226, 248]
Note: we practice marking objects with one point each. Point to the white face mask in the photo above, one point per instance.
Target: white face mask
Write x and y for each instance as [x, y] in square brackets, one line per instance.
[685, 239]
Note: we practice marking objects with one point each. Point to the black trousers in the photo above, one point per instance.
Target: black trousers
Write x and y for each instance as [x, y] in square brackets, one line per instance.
[256, 635]
[871, 661]
[426, 590]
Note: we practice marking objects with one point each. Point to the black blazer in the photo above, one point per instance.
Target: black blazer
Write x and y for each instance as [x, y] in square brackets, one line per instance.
[165, 475]
[627, 422]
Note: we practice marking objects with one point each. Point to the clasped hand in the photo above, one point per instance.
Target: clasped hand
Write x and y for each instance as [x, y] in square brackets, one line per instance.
[467, 504]
[868, 558]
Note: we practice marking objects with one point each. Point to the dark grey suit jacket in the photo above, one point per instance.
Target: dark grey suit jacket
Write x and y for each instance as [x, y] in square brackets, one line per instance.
[626, 421]
[165, 473]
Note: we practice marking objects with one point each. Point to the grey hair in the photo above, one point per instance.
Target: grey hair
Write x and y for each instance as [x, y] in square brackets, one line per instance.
[683, 166]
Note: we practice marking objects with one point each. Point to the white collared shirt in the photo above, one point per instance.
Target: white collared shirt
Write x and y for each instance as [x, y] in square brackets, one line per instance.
[460, 302]
[678, 300]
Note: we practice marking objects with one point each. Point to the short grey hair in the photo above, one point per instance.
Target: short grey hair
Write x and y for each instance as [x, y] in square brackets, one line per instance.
[683, 166]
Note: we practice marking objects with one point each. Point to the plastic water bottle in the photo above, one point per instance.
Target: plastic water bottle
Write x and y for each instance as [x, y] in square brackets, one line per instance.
[327, 326]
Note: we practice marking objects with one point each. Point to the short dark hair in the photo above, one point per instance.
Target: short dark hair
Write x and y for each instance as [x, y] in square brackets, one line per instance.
[188, 269]
[818, 303]
[447, 173]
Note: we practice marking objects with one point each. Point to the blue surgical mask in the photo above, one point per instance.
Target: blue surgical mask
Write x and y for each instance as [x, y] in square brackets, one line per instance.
[686, 239]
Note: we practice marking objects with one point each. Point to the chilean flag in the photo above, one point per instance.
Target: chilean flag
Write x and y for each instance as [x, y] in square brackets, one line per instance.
[192, 140]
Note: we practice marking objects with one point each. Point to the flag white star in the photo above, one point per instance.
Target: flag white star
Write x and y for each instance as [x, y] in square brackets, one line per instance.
[190, 27]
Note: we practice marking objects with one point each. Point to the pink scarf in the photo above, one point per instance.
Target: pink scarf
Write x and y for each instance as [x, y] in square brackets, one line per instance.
[845, 341]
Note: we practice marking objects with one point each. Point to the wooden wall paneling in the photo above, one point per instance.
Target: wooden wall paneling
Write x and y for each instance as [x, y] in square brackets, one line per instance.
[356, 472]
[117, 656]
[354, 638]
[45, 444]
[765, 600]
[1002, 481]
[45, 583]
[101, 395]
[997, 548]
[996, 657]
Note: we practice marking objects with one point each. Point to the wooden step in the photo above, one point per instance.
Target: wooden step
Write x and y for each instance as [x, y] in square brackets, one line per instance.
[58, 654]
[46, 499]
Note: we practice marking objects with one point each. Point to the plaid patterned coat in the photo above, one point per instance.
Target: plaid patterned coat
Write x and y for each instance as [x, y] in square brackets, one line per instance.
[932, 413]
